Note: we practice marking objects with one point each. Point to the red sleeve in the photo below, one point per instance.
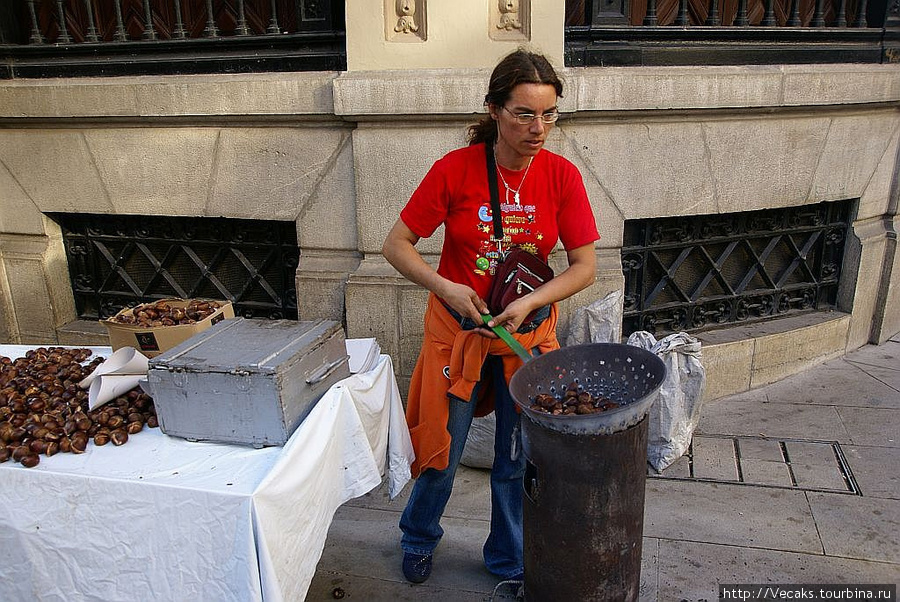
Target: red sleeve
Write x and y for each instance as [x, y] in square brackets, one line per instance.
[427, 207]
[577, 226]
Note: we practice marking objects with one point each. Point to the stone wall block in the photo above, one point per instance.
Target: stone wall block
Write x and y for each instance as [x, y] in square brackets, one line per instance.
[321, 283]
[161, 171]
[59, 282]
[728, 368]
[55, 169]
[37, 284]
[9, 328]
[413, 303]
[389, 163]
[764, 163]
[167, 96]
[887, 322]
[864, 257]
[638, 166]
[839, 84]
[18, 213]
[373, 311]
[327, 218]
[272, 172]
[607, 215]
[31, 299]
[782, 354]
[875, 199]
[626, 88]
[855, 148]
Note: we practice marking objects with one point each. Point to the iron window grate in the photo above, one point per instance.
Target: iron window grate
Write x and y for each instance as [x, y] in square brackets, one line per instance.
[119, 260]
[698, 272]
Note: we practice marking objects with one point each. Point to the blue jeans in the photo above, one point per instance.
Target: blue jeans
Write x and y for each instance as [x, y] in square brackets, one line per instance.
[420, 522]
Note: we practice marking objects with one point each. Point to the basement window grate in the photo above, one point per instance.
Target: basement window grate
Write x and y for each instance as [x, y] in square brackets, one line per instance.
[700, 272]
[117, 261]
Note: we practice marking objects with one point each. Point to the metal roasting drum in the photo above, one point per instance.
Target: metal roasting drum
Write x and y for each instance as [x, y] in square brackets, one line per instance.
[583, 491]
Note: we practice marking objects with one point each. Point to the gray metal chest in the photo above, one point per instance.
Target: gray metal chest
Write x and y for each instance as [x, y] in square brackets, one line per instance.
[246, 381]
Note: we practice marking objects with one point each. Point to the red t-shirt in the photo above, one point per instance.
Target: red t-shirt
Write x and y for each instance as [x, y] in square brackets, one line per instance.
[553, 206]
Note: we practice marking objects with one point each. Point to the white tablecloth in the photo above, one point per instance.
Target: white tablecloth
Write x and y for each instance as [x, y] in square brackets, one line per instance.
[166, 519]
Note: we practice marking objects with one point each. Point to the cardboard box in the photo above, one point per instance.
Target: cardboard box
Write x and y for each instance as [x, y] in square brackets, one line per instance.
[153, 341]
[247, 381]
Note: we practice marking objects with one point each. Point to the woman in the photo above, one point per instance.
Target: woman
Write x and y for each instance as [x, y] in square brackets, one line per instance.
[463, 369]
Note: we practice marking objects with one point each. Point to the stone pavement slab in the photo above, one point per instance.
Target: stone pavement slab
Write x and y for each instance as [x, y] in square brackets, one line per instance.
[858, 527]
[714, 459]
[868, 426]
[875, 469]
[766, 472]
[365, 543]
[888, 376]
[735, 416]
[815, 465]
[737, 515]
[690, 571]
[884, 356]
[838, 383]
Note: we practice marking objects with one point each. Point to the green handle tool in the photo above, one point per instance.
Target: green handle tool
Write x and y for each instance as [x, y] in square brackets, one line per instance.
[508, 339]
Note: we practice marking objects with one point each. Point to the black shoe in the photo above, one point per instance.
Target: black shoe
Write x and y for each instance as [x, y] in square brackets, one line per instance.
[416, 567]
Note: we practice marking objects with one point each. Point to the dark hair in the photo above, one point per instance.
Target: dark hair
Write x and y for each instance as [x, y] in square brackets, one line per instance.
[519, 67]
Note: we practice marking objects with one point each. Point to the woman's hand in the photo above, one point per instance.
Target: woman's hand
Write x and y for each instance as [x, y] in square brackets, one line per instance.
[463, 299]
[514, 315]
[399, 249]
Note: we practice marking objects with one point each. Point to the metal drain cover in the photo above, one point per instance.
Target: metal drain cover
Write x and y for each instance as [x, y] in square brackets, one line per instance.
[803, 464]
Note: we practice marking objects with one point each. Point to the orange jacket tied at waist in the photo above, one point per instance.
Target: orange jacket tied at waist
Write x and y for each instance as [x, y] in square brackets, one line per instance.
[450, 363]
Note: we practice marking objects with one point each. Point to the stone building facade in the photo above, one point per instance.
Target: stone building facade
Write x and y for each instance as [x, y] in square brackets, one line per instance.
[339, 153]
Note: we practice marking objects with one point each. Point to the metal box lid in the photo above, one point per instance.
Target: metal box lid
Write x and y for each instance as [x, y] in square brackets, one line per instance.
[260, 346]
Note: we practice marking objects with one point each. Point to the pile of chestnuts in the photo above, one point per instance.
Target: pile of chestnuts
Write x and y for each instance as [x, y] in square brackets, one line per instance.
[167, 313]
[572, 401]
[43, 411]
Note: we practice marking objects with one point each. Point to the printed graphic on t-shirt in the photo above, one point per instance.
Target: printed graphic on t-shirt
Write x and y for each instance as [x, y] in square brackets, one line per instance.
[518, 222]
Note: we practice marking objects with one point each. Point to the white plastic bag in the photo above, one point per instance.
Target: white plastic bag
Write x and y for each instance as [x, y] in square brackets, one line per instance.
[599, 322]
[479, 450]
[676, 412]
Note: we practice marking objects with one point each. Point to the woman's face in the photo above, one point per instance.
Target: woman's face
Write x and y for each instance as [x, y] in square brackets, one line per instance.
[517, 142]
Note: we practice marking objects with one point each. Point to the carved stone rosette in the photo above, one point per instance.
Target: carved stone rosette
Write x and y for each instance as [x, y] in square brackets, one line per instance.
[510, 20]
[404, 20]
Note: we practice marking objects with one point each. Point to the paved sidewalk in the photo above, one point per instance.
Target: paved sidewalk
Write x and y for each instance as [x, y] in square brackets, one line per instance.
[796, 482]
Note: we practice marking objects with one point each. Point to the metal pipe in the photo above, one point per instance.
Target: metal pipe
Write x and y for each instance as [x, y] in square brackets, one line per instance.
[818, 19]
[121, 35]
[36, 37]
[64, 36]
[794, 19]
[210, 31]
[713, 17]
[273, 22]
[861, 18]
[682, 18]
[242, 29]
[650, 16]
[178, 33]
[92, 30]
[841, 19]
[149, 32]
[769, 15]
[741, 17]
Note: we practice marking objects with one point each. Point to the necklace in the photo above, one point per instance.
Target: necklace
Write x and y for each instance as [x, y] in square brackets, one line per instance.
[509, 190]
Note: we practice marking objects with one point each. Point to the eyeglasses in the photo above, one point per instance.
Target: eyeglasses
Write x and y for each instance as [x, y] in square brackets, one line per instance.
[528, 118]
